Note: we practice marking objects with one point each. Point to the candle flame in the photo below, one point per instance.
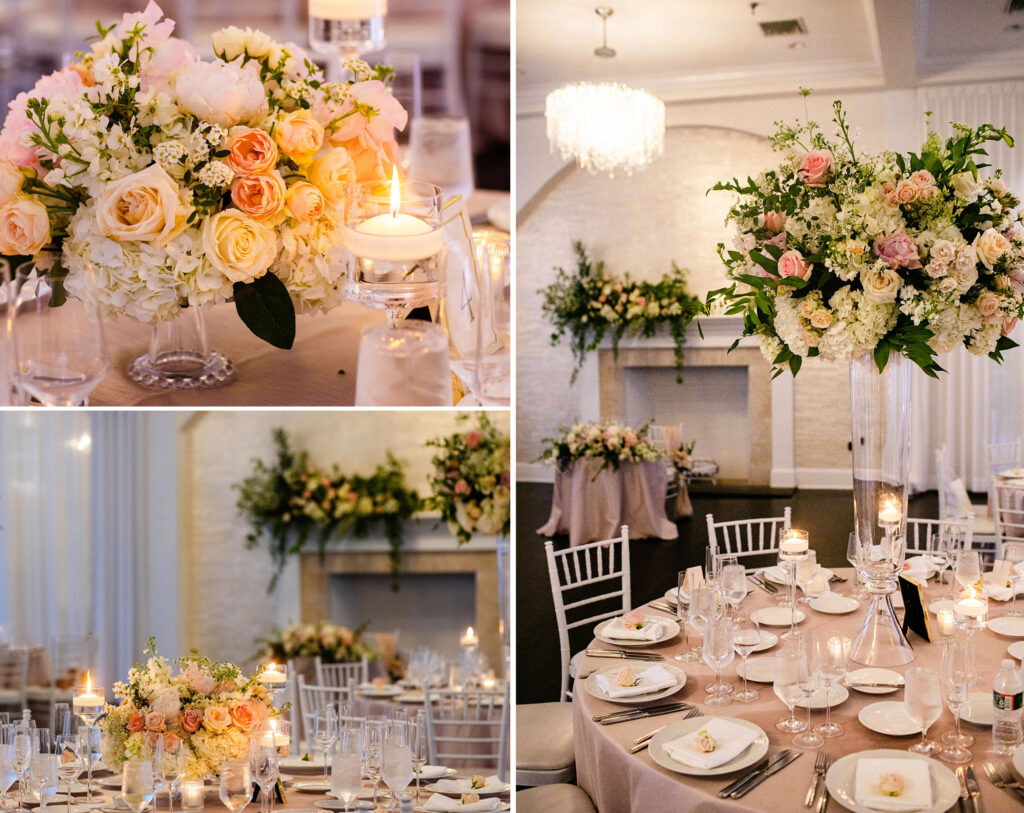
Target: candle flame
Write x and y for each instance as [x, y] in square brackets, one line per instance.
[469, 632]
[396, 192]
[88, 682]
[271, 666]
[273, 725]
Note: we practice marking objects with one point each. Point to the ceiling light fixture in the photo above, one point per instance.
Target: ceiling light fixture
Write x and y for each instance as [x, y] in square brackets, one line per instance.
[605, 126]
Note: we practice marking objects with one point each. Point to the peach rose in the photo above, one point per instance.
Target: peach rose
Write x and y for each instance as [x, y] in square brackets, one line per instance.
[260, 196]
[990, 245]
[988, 305]
[815, 167]
[792, 264]
[922, 179]
[216, 719]
[144, 206]
[155, 721]
[300, 136]
[24, 227]
[242, 716]
[775, 222]
[191, 719]
[305, 202]
[821, 319]
[905, 193]
[251, 151]
[171, 739]
[136, 722]
[239, 247]
[11, 181]
[332, 172]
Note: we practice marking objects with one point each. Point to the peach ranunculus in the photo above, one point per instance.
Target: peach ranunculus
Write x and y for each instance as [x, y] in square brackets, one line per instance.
[242, 715]
[990, 245]
[24, 227]
[775, 222]
[155, 721]
[191, 719]
[144, 206]
[136, 722]
[260, 196]
[792, 264]
[815, 167]
[216, 719]
[305, 202]
[11, 181]
[332, 172]
[251, 151]
[238, 246]
[299, 135]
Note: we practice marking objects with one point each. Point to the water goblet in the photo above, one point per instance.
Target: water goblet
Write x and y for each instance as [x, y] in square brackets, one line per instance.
[786, 685]
[701, 605]
[808, 678]
[717, 653]
[235, 784]
[733, 579]
[746, 638]
[137, 788]
[922, 700]
[682, 613]
[347, 766]
[957, 676]
[833, 662]
[70, 760]
[8, 768]
[45, 777]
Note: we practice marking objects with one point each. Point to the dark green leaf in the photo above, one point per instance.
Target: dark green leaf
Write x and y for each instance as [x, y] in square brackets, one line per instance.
[266, 308]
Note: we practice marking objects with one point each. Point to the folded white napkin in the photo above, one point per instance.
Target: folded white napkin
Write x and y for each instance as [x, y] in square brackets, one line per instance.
[919, 568]
[652, 630]
[730, 741]
[651, 680]
[491, 785]
[816, 585]
[444, 803]
[1001, 593]
[917, 791]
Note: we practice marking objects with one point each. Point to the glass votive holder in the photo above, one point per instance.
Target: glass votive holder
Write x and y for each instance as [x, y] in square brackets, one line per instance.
[405, 364]
[346, 27]
[192, 794]
[970, 612]
[281, 731]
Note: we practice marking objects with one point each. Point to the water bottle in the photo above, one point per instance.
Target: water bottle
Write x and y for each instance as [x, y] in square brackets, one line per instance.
[1007, 699]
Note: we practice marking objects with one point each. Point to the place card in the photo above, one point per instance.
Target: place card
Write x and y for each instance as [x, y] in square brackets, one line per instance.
[1002, 572]
[915, 612]
[693, 580]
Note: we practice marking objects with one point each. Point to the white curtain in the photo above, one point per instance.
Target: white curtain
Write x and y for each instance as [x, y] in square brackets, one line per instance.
[976, 402]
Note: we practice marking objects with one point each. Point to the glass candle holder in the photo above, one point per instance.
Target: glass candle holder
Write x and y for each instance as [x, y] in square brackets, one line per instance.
[192, 794]
[347, 27]
[970, 610]
[88, 702]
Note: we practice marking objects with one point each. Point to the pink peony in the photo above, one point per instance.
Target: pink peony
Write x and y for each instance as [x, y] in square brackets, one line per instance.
[390, 113]
[815, 167]
[898, 251]
[792, 264]
[62, 85]
[197, 680]
[163, 62]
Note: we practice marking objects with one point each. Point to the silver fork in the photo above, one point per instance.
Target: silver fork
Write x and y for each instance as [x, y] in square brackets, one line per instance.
[819, 771]
[823, 800]
[641, 743]
[1001, 777]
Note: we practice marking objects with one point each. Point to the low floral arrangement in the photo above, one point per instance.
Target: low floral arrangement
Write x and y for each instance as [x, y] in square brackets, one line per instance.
[183, 182]
[211, 708]
[472, 480]
[682, 457]
[589, 304]
[329, 642]
[610, 442]
[840, 253]
[291, 500]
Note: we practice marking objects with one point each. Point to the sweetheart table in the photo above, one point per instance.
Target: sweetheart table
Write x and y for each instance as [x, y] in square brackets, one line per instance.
[618, 781]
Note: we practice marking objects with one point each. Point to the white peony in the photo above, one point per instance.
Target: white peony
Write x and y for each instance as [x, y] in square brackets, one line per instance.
[232, 42]
[224, 93]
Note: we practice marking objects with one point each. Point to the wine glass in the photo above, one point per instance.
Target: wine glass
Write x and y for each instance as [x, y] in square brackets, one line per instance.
[263, 765]
[786, 685]
[137, 788]
[957, 676]
[746, 637]
[92, 739]
[1014, 554]
[61, 719]
[833, 663]
[8, 768]
[855, 556]
[235, 784]
[938, 554]
[375, 727]
[701, 606]
[922, 700]
[70, 760]
[325, 729]
[733, 579]
[22, 751]
[683, 614]
[808, 678]
[419, 746]
[968, 568]
[717, 653]
[45, 777]
[804, 574]
[397, 763]
[347, 766]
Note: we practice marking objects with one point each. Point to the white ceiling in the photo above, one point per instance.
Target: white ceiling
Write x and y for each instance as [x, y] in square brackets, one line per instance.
[688, 49]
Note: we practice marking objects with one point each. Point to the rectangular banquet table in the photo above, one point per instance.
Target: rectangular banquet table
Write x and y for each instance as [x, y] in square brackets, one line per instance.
[619, 782]
[591, 502]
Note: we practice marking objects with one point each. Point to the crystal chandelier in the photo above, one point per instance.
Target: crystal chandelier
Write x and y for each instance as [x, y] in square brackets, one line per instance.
[605, 126]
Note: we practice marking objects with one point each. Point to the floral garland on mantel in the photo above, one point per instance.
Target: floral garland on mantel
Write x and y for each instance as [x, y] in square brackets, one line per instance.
[588, 304]
[290, 500]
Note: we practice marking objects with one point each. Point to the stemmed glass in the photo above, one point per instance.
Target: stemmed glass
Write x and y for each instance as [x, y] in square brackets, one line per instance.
[70, 760]
[45, 777]
[702, 602]
[855, 555]
[264, 766]
[808, 678]
[833, 663]
[786, 685]
[957, 676]
[172, 767]
[8, 769]
[1014, 554]
[397, 771]
[375, 751]
[746, 637]
[22, 750]
[325, 729]
[938, 553]
[347, 766]
[922, 700]
[967, 574]
[61, 719]
[92, 741]
[689, 653]
[717, 653]
[235, 784]
[733, 579]
[418, 730]
[137, 789]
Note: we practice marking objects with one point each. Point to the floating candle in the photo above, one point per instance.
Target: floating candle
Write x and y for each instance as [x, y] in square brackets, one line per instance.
[394, 237]
[890, 510]
[347, 9]
[469, 639]
[273, 675]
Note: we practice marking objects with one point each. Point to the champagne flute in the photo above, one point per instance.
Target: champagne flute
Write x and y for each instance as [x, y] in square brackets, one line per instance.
[957, 676]
[922, 700]
[45, 777]
[808, 678]
[137, 788]
[263, 765]
[347, 766]
[746, 637]
[397, 763]
[8, 769]
[70, 760]
[1014, 554]
[419, 746]
[718, 652]
[375, 751]
[786, 685]
[833, 662]
[325, 729]
[734, 584]
[22, 752]
[235, 784]
[682, 613]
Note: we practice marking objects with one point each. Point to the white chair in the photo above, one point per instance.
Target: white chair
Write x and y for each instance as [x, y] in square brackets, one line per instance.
[316, 698]
[746, 538]
[471, 724]
[920, 532]
[1003, 456]
[562, 797]
[13, 676]
[342, 675]
[955, 503]
[1009, 510]
[603, 563]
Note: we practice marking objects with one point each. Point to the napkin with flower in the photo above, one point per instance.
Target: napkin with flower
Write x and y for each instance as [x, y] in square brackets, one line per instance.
[816, 584]
[635, 626]
[893, 785]
[628, 682]
[477, 784]
[440, 803]
[999, 583]
[714, 743]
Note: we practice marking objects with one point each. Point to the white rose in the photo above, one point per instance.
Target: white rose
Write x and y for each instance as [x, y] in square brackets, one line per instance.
[966, 186]
[966, 259]
[231, 42]
[948, 285]
[821, 319]
[943, 251]
[990, 245]
[936, 269]
[145, 206]
[222, 93]
[807, 307]
[238, 246]
[880, 285]
[10, 182]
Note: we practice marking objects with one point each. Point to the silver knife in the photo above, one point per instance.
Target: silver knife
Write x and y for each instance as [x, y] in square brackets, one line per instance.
[963, 788]
[764, 764]
[756, 582]
[624, 712]
[614, 653]
[757, 780]
[641, 714]
[859, 684]
[972, 789]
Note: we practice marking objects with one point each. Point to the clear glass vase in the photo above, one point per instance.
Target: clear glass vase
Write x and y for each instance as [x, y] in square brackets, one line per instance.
[880, 417]
[180, 357]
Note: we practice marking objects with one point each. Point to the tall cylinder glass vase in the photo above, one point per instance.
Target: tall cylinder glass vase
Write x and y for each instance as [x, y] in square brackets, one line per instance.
[880, 412]
[180, 357]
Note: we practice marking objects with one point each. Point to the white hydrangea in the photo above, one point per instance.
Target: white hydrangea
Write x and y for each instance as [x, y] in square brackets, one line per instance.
[311, 264]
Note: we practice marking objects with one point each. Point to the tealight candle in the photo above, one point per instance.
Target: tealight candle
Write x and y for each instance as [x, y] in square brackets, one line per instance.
[192, 794]
[890, 510]
[273, 675]
[794, 540]
[347, 9]
[469, 639]
[88, 701]
[945, 618]
[281, 736]
[394, 237]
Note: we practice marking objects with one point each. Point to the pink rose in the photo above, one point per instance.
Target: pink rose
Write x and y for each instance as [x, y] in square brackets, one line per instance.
[905, 193]
[640, 300]
[155, 721]
[792, 264]
[136, 722]
[775, 222]
[815, 167]
[633, 618]
[922, 179]
[988, 306]
[473, 439]
[250, 151]
[191, 720]
[462, 487]
[24, 227]
[898, 251]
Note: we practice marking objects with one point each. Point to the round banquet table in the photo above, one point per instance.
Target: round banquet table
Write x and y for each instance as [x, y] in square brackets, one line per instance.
[618, 781]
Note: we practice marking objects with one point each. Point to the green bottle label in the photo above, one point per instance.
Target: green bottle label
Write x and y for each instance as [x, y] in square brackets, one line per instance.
[1007, 702]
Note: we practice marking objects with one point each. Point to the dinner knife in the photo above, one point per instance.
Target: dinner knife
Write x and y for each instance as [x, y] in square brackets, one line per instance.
[973, 791]
[963, 788]
[649, 735]
[758, 584]
[767, 585]
[640, 714]
[622, 712]
[858, 684]
[664, 606]
[615, 653]
[757, 780]
[764, 764]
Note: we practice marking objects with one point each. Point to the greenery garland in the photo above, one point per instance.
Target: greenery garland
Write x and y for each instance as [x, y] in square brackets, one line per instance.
[588, 304]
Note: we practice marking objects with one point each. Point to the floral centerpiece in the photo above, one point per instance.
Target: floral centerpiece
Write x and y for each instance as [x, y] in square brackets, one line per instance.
[682, 457]
[182, 182]
[211, 708]
[292, 500]
[329, 642]
[472, 479]
[839, 253]
[608, 441]
[589, 304]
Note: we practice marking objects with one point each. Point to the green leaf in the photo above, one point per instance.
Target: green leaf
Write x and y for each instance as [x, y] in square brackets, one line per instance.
[794, 364]
[881, 355]
[266, 308]
[766, 263]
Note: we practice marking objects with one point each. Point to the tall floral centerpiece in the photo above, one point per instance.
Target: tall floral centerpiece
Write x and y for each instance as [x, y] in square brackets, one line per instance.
[331, 643]
[610, 442]
[883, 260]
[174, 183]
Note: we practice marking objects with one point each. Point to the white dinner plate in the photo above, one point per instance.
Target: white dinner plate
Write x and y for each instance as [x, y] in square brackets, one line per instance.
[1011, 626]
[56, 808]
[751, 754]
[888, 717]
[1018, 760]
[502, 806]
[839, 780]
[431, 772]
[759, 670]
[775, 574]
[978, 709]
[79, 789]
[670, 596]
[481, 792]
[315, 762]
[670, 631]
[874, 675]
[595, 690]
[834, 604]
[836, 694]
[57, 800]
[1017, 650]
[942, 604]
[303, 810]
[387, 690]
[312, 786]
[109, 782]
[767, 641]
[337, 805]
[778, 616]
